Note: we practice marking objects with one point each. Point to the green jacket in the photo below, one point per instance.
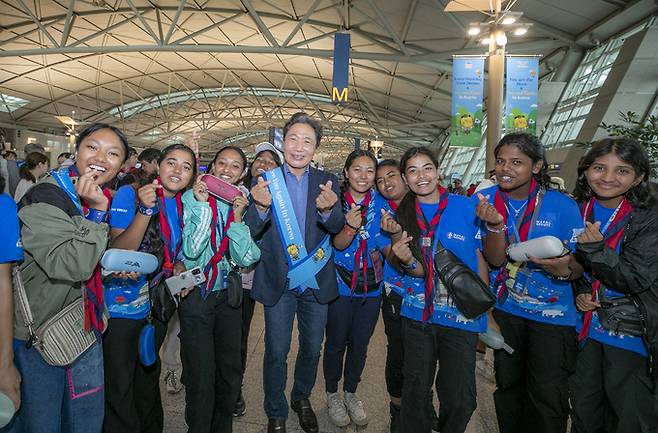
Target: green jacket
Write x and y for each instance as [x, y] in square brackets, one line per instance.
[62, 249]
[197, 250]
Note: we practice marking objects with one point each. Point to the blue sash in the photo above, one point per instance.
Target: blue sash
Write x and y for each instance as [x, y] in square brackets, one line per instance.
[302, 266]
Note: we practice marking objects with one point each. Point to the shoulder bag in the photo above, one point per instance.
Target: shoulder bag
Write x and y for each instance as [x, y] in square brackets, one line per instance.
[62, 339]
[471, 295]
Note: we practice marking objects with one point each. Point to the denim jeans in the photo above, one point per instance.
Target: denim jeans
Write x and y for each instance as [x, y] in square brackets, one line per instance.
[311, 321]
[59, 399]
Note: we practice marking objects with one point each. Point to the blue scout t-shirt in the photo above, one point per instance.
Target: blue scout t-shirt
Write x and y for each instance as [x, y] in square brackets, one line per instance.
[11, 249]
[376, 241]
[596, 330]
[457, 232]
[535, 295]
[126, 298]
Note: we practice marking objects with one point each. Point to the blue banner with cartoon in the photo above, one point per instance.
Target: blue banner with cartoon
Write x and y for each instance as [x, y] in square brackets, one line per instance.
[467, 94]
[521, 94]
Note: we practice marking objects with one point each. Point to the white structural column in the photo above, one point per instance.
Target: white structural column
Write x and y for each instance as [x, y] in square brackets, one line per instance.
[495, 81]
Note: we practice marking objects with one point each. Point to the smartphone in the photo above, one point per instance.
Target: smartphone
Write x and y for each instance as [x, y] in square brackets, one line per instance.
[186, 280]
[220, 188]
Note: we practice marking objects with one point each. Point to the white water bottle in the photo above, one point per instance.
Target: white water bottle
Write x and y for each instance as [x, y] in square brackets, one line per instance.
[495, 340]
[7, 410]
[545, 247]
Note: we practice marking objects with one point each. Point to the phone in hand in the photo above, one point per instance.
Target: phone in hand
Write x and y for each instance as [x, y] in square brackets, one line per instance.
[185, 280]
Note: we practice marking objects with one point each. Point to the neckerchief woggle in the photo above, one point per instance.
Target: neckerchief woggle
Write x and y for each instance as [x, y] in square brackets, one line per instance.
[522, 229]
[361, 255]
[212, 267]
[93, 300]
[612, 233]
[170, 251]
[427, 232]
[302, 266]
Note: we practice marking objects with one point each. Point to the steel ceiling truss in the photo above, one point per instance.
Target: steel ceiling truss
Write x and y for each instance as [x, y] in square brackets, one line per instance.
[165, 29]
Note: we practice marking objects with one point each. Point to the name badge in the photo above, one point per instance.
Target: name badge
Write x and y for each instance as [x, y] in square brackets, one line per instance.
[426, 241]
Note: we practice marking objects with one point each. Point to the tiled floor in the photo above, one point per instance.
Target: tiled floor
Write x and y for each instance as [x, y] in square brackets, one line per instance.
[372, 391]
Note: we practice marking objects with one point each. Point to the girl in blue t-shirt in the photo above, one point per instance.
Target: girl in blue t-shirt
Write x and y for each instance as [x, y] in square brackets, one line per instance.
[10, 252]
[146, 216]
[433, 328]
[535, 310]
[352, 317]
[611, 390]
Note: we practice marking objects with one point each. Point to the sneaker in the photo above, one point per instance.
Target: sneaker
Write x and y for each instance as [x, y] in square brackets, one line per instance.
[240, 406]
[337, 410]
[355, 409]
[172, 382]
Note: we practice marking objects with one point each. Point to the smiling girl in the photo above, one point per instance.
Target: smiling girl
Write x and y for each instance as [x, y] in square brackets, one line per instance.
[535, 309]
[139, 218]
[64, 236]
[216, 240]
[352, 317]
[613, 389]
[433, 329]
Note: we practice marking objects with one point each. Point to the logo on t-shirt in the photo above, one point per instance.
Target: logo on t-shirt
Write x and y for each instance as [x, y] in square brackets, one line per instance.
[544, 223]
[457, 236]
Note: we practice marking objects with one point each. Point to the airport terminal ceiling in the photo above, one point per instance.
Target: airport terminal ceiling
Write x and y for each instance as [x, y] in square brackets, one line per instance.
[231, 69]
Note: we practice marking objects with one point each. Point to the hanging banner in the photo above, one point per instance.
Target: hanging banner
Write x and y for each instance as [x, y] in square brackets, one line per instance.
[341, 63]
[521, 94]
[467, 93]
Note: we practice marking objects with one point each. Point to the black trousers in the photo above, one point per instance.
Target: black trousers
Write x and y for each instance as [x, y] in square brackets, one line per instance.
[611, 392]
[454, 349]
[350, 324]
[391, 305]
[248, 305]
[532, 394]
[132, 391]
[211, 336]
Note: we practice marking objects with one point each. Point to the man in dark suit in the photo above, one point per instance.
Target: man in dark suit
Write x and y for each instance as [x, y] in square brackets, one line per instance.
[314, 199]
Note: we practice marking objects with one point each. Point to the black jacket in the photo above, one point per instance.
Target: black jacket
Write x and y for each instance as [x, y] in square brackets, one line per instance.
[633, 272]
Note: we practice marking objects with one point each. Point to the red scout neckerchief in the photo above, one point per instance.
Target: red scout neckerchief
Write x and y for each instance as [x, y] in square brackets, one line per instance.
[524, 225]
[393, 205]
[427, 231]
[93, 296]
[213, 264]
[361, 252]
[612, 234]
[170, 251]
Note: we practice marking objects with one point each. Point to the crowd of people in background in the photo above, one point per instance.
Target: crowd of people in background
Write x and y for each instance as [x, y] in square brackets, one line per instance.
[330, 254]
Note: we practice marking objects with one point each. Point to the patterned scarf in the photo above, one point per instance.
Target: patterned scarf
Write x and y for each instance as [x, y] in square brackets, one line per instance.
[170, 251]
[612, 235]
[361, 255]
[524, 225]
[93, 293]
[213, 264]
[427, 231]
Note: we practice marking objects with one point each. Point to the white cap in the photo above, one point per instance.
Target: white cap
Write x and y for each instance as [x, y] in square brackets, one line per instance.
[261, 147]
